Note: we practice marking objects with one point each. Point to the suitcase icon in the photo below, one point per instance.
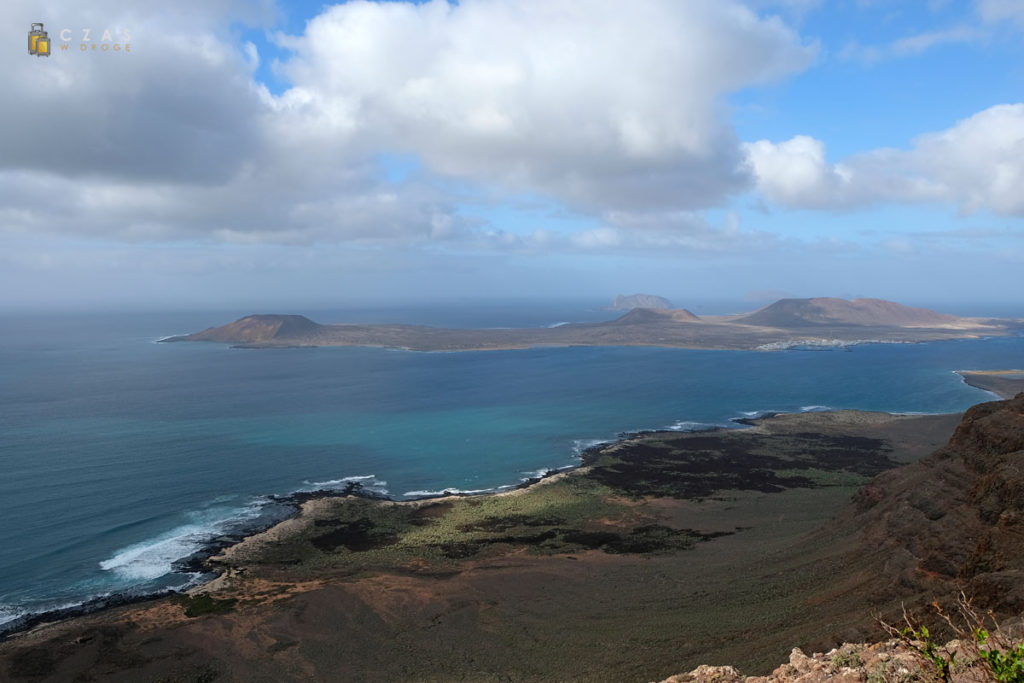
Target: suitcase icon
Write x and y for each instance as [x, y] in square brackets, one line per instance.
[38, 41]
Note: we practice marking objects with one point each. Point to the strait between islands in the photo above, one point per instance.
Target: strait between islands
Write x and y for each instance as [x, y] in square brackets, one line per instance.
[819, 322]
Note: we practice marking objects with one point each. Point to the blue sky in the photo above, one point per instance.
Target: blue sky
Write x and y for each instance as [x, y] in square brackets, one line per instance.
[253, 153]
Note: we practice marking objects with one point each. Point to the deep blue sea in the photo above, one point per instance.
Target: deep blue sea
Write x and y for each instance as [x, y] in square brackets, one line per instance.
[120, 455]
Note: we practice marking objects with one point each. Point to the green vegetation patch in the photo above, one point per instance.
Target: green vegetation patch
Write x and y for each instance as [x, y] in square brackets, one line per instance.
[584, 511]
[201, 605]
[572, 514]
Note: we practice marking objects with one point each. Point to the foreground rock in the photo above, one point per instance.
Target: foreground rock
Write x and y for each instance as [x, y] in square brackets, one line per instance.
[892, 660]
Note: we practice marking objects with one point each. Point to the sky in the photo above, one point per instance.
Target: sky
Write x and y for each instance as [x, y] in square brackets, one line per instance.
[233, 153]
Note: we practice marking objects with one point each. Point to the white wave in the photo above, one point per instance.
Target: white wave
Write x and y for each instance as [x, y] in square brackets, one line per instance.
[9, 613]
[580, 445]
[543, 472]
[686, 426]
[370, 481]
[815, 409]
[554, 325]
[758, 414]
[453, 492]
[155, 557]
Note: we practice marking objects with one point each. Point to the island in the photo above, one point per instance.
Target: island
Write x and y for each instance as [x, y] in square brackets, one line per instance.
[662, 551]
[627, 302]
[787, 323]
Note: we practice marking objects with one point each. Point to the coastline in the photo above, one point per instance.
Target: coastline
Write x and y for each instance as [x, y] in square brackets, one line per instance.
[213, 560]
[301, 503]
[596, 530]
[195, 563]
[1004, 384]
[314, 504]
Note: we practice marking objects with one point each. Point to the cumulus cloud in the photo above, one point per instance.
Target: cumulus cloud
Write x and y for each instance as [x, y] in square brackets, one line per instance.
[795, 173]
[180, 107]
[176, 139]
[602, 105]
[976, 164]
[606, 107]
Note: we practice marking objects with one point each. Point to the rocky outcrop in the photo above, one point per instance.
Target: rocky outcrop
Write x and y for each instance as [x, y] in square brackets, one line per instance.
[627, 302]
[852, 663]
[258, 329]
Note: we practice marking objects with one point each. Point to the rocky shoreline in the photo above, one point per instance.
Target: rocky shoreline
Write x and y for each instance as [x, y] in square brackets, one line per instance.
[282, 508]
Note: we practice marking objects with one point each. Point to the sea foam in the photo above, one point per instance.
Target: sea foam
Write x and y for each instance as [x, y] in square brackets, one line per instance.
[8, 613]
[455, 492]
[687, 426]
[368, 481]
[155, 557]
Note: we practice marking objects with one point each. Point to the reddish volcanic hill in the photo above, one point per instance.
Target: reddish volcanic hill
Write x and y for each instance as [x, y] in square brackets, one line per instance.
[255, 329]
[788, 313]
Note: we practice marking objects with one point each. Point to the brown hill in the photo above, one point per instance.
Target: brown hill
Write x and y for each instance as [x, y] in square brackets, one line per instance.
[258, 329]
[644, 316]
[826, 311]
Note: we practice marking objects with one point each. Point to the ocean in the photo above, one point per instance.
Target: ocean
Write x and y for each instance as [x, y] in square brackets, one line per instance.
[121, 455]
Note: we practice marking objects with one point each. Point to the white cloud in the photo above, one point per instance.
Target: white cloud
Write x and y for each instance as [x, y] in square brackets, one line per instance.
[605, 105]
[976, 164]
[1002, 10]
[795, 172]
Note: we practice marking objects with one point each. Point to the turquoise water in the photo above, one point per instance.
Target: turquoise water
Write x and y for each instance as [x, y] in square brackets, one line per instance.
[120, 455]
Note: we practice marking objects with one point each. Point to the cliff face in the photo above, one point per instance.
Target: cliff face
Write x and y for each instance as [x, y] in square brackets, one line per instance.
[955, 518]
[951, 521]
